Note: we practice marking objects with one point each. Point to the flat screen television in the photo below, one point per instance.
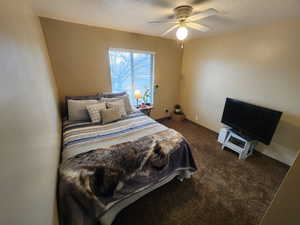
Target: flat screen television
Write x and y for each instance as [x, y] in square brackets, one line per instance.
[251, 121]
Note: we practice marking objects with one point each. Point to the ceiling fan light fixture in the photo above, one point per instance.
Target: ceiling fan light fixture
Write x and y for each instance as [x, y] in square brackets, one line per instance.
[181, 33]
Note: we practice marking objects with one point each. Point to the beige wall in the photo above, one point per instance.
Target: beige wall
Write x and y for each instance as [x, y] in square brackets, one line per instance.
[259, 65]
[30, 127]
[79, 57]
[285, 208]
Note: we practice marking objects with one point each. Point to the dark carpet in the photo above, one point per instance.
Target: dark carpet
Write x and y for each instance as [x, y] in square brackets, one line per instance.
[224, 191]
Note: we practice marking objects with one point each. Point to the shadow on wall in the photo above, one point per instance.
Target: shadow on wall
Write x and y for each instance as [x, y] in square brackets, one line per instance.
[292, 140]
[286, 140]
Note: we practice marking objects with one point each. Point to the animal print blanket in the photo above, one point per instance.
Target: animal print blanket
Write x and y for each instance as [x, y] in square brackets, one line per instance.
[93, 181]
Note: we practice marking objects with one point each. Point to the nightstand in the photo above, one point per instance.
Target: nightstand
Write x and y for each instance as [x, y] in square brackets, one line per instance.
[146, 109]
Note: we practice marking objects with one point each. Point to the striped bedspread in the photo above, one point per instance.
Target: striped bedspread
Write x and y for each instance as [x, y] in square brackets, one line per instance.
[80, 137]
[105, 167]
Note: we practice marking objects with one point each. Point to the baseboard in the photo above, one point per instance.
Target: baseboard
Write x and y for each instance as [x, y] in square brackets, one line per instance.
[288, 160]
[278, 153]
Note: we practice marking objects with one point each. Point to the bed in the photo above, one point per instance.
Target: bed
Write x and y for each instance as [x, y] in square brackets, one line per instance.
[107, 167]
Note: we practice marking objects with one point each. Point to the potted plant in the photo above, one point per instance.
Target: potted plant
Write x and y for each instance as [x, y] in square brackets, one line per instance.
[178, 114]
[177, 109]
[146, 96]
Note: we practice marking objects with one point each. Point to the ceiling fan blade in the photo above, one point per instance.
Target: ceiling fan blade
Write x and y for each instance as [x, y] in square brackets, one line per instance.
[203, 14]
[170, 29]
[163, 21]
[199, 27]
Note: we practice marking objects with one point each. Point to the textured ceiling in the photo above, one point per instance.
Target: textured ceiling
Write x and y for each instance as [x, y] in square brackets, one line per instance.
[132, 15]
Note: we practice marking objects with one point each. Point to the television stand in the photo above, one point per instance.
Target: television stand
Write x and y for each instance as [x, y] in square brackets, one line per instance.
[244, 147]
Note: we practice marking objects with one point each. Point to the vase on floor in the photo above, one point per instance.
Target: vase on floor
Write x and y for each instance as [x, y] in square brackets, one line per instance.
[178, 117]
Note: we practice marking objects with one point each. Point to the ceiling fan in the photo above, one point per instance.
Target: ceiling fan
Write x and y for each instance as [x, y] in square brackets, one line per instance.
[185, 18]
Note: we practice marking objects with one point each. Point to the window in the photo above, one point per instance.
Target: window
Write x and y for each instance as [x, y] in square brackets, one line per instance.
[132, 70]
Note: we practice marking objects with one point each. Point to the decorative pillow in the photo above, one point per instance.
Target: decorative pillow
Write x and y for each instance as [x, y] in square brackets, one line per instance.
[110, 115]
[118, 105]
[94, 111]
[77, 109]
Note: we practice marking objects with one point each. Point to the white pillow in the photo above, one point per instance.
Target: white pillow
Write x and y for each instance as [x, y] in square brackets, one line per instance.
[94, 111]
[109, 99]
[125, 98]
[117, 105]
[77, 109]
[128, 106]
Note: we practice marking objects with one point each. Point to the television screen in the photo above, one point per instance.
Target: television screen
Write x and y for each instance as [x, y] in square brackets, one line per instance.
[251, 121]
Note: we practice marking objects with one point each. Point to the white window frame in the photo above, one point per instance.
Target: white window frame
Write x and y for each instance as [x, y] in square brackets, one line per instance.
[135, 51]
